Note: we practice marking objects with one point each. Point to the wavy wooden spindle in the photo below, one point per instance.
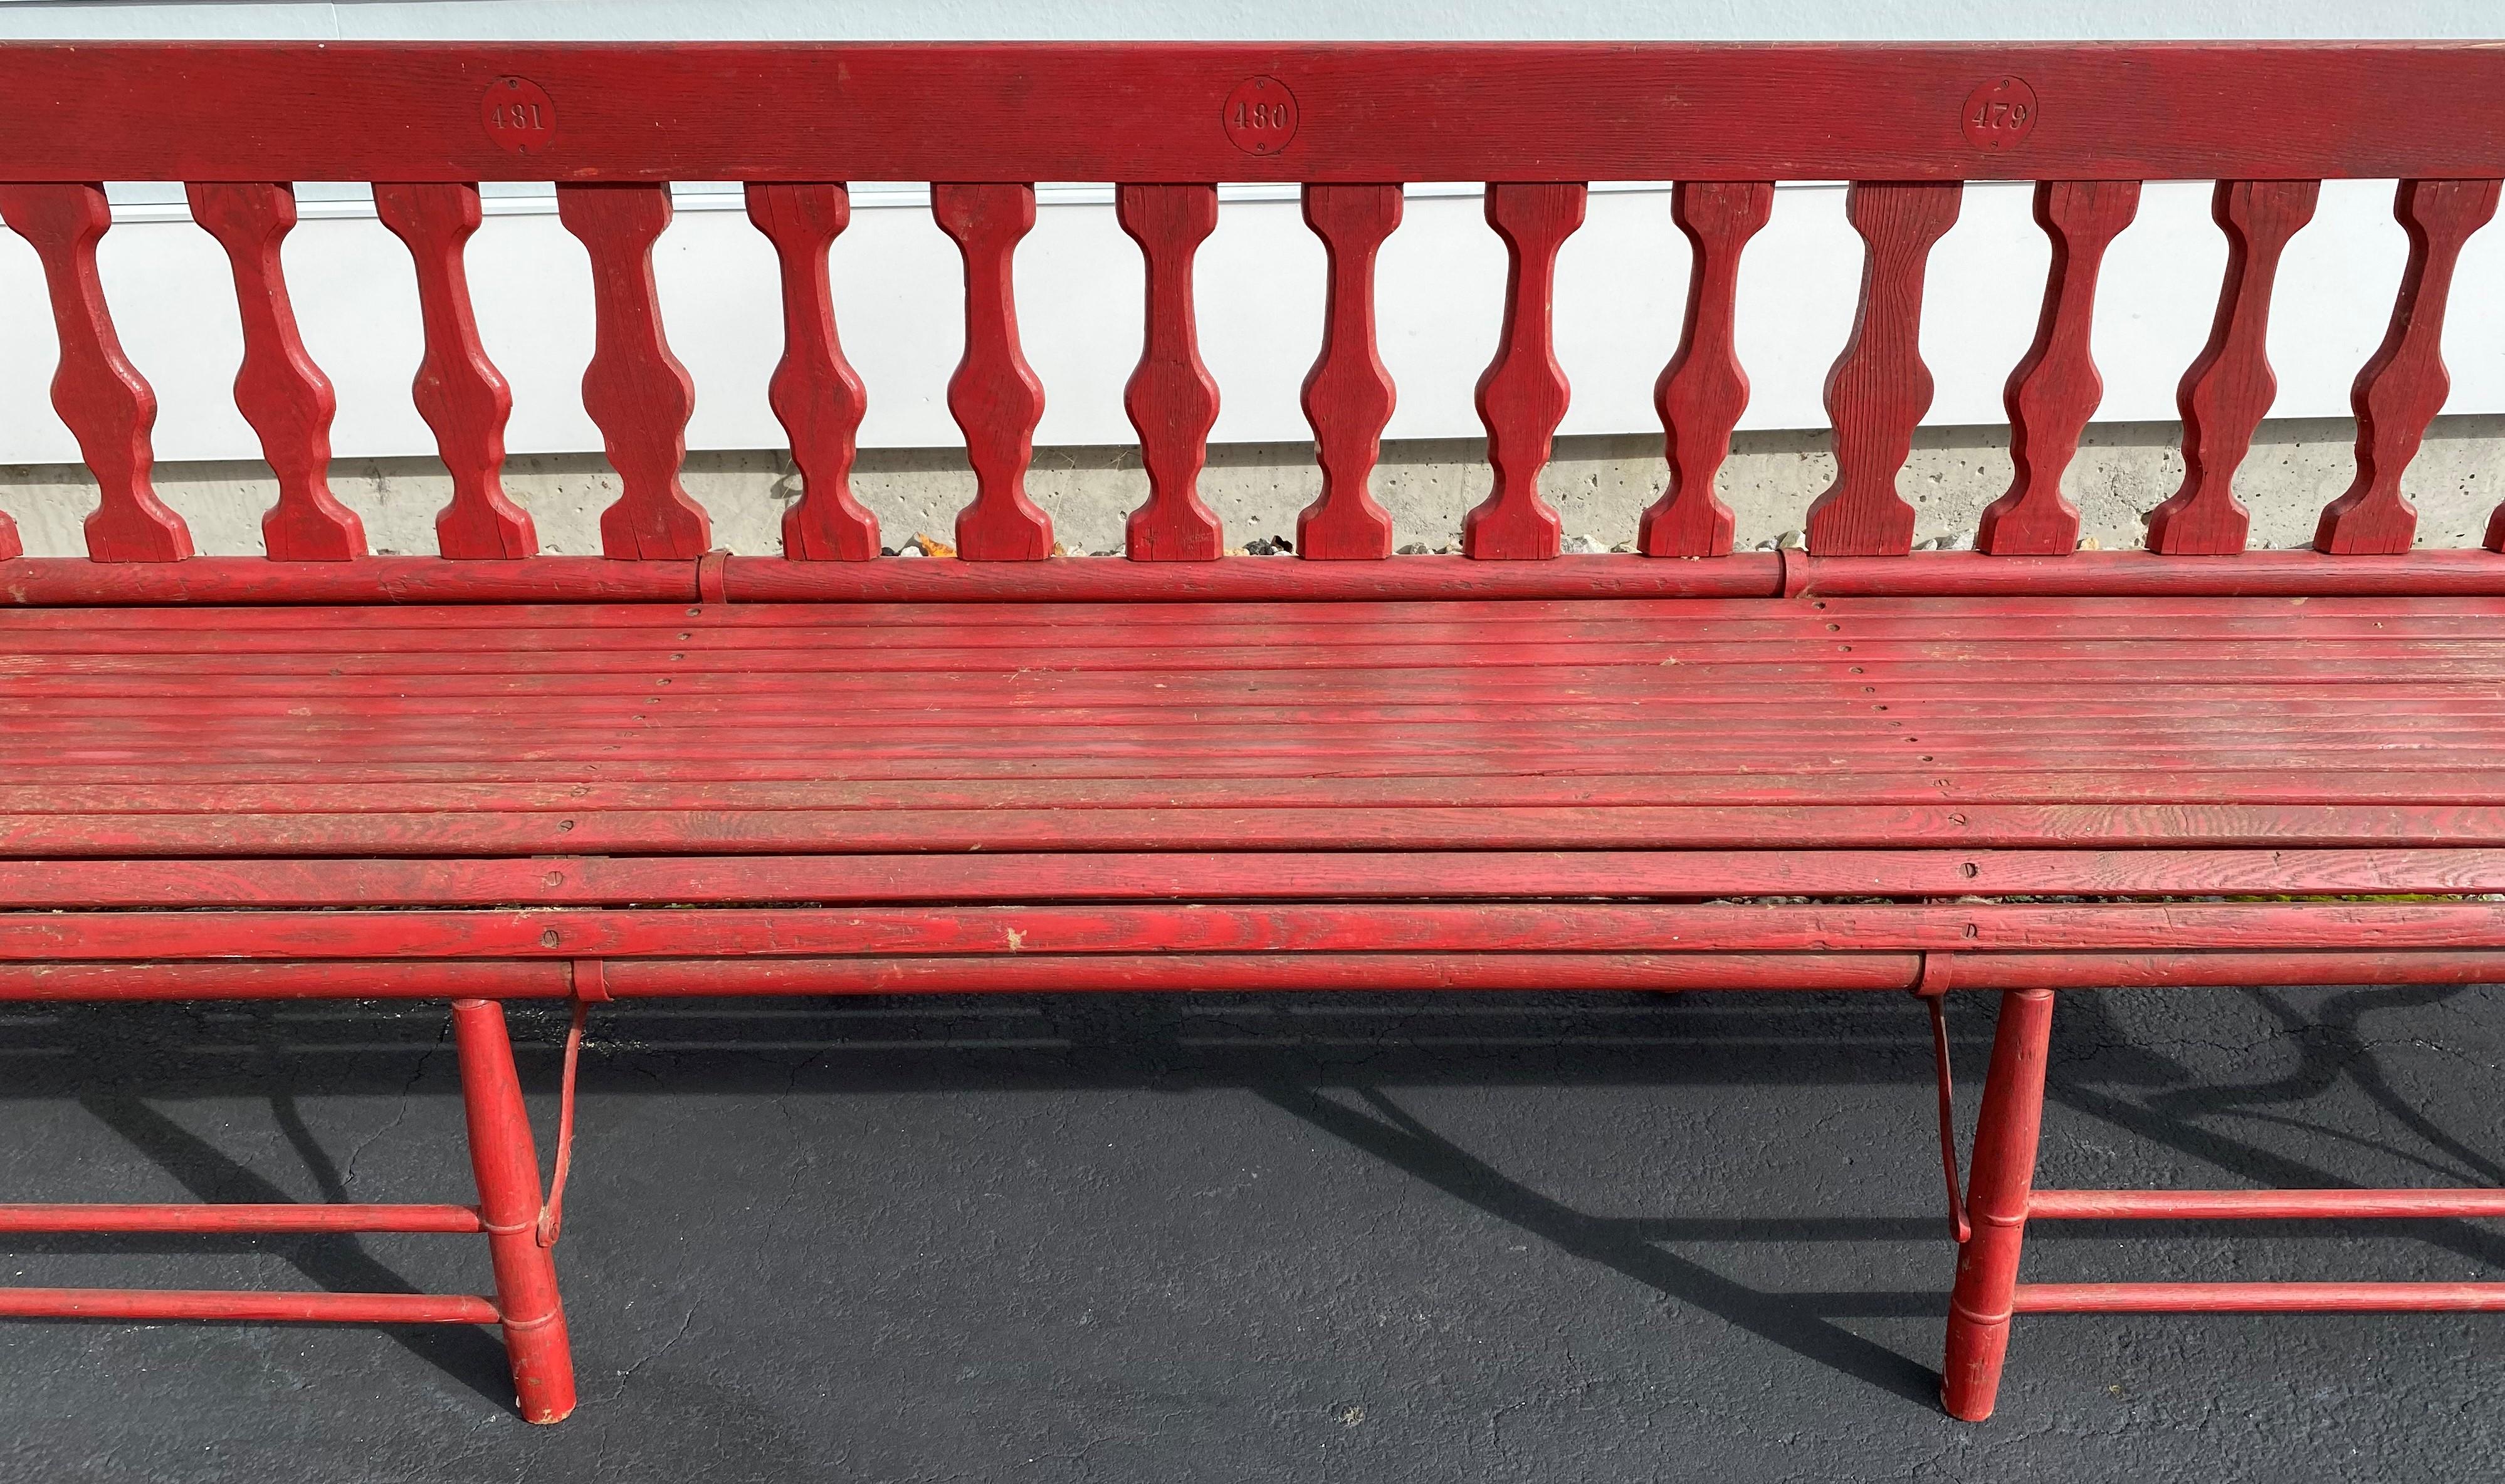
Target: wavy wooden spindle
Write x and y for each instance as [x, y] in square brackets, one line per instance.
[2229, 386]
[458, 390]
[635, 389]
[1171, 398]
[1522, 394]
[994, 395]
[2402, 387]
[1703, 391]
[279, 389]
[2055, 387]
[1348, 395]
[106, 402]
[1879, 388]
[814, 391]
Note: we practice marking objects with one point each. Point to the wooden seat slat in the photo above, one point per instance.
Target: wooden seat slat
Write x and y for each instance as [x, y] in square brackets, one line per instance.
[507, 788]
[1551, 827]
[1485, 927]
[1449, 875]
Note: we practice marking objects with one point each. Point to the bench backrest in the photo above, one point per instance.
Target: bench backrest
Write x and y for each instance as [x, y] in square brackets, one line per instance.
[614, 125]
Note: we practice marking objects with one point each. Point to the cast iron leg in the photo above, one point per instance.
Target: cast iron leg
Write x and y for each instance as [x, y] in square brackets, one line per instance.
[2000, 1179]
[508, 1166]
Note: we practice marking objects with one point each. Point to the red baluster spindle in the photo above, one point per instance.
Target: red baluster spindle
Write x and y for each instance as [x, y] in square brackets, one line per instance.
[994, 395]
[2229, 384]
[106, 402]
[1172, 401]
[2055, 387]
[1704, 389]
[1348, 395]
[1879, 388]
[814, 391]
[634, 387]
[279, 389]
[458, 390]
[1522, 394]
[2402, 387]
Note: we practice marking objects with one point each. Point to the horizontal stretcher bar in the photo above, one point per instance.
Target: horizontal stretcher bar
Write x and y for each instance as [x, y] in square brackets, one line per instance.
[197, 1217]
[583, 880]
[1284, 929]
[1184, 973]
[72, 582]
[2260, 1205]
[2257, 1297]
[247, 1307]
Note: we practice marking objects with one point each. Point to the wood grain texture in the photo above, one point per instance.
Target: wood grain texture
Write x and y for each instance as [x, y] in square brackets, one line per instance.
[1358, 876]
[635, 389]
[2229, 386]
[1209, 928]
[1523, 392]
[1171, 396]
[1259, 827]
[815, 392]
[994, 395]
[1348, 395]
[1704, 389]
[650, 978]
[1878, 388]
[458, 390]
[2055, 389]
[279, 389]
[108, 406]
[1370, 112]
[2402, 388]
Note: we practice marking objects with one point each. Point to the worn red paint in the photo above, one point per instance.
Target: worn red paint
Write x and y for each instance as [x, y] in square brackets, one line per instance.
[1505, 770]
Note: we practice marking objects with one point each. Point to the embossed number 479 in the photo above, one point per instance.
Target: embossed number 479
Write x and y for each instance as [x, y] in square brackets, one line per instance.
[1992, 113]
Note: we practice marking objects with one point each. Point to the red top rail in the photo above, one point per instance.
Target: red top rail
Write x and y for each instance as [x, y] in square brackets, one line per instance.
[1309, 113]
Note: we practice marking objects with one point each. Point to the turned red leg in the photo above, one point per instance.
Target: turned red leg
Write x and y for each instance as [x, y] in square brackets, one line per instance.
[507, 1167]
[2002, 1178]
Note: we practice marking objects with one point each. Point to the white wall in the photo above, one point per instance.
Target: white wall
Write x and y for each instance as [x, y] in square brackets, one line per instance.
[1621, 280]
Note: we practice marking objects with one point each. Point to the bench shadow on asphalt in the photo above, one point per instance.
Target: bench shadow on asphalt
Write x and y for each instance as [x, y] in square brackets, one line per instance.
[1342, 1065]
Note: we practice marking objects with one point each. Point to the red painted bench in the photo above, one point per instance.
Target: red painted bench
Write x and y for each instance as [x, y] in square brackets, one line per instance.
[488, 774]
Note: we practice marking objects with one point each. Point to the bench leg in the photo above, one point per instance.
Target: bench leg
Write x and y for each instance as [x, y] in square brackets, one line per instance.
[2002, 1178]
[507, 1167]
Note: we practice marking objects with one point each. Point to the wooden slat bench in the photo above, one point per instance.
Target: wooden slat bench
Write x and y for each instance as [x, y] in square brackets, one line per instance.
[489, 773]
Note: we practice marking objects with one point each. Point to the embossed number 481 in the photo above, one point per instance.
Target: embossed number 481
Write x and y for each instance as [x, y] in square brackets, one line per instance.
[516, 116]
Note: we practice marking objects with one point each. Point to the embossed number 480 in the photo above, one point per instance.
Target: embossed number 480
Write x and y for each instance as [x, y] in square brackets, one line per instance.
[1260, 116]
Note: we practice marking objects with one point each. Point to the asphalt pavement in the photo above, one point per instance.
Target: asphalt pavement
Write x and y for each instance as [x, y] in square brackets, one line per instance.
[1172, 1238]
